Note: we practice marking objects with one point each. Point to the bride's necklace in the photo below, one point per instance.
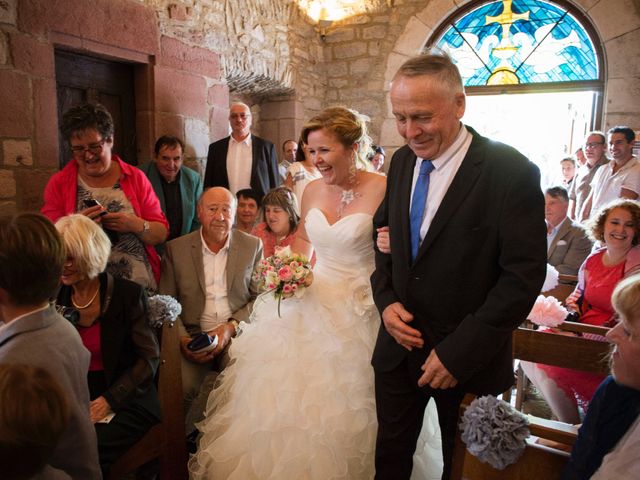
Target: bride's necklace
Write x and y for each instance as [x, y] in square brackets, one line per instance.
[346, 197]
[82, 307]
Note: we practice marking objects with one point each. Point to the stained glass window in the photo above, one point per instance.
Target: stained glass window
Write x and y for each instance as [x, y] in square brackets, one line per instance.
[510, 42]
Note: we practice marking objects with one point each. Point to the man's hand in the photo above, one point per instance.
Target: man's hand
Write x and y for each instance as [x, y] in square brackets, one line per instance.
[195, 357]
[395, 319]
[98, 409]
[435, 374]
[95, 213]
[383, 241]
[224, 331]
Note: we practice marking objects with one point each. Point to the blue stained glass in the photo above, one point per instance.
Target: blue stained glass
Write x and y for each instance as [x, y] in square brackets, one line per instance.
[520, 41]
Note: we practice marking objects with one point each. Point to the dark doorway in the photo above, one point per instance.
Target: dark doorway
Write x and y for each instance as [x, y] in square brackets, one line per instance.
[81, 78]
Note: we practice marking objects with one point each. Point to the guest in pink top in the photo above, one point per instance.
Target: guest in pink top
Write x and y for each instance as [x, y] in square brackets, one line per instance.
[617, 227]
[281, 220]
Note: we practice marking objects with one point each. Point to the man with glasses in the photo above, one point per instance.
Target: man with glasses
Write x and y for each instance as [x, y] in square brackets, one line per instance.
[621, 177]
[594, 151]
[242, 160]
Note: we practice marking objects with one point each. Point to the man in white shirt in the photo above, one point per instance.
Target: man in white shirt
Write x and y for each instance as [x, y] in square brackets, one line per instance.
[595, 148]
[242, 160]
[289, 149]
[567, 242]
[620, 178]
[209, 272]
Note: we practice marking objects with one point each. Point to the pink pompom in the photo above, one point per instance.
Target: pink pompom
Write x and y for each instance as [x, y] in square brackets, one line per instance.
[547, 312]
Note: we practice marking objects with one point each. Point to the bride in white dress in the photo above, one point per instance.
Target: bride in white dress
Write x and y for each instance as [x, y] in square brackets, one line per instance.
[297, 399]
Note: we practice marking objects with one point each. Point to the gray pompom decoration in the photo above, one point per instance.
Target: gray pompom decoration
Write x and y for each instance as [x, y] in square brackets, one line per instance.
[163, 308]
[494, 432]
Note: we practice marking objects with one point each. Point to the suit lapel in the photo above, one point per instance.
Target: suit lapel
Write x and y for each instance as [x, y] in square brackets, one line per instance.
[222, 164]
[462, 183]
[232, 261]
[256, 146]
[562, 231]
[198, 261]
[404, 200]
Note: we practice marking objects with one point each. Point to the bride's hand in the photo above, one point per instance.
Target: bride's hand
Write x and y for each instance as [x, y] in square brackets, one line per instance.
[383, 241]
[395, 319]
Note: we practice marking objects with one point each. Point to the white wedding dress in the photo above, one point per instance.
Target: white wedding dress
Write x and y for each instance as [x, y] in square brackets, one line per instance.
[297, 399]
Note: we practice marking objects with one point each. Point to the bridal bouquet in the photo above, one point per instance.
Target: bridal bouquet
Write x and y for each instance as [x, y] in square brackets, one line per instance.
[547, 312]
[285, 273]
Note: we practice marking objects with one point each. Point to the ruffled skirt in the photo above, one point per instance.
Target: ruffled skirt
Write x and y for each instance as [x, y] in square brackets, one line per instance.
[297, 399]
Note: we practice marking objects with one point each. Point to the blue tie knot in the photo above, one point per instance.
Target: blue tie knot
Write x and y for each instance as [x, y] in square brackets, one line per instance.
[426, 167]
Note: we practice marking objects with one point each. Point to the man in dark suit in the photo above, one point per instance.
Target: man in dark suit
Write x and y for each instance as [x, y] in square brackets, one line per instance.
[242, 160]
[467, 261]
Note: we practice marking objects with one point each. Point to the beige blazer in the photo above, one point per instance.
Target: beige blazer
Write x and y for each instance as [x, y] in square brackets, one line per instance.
[569, 248]
[183, 276]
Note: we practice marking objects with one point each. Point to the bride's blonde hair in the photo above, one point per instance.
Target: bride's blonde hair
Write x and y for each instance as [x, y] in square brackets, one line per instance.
[349, 127]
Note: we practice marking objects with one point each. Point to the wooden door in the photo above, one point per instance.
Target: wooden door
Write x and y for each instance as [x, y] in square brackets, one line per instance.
[81, 78]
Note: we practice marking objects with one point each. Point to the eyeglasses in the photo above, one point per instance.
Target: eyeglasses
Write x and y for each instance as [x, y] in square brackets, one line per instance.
[593, 144]
[94, 148]
[241, 116]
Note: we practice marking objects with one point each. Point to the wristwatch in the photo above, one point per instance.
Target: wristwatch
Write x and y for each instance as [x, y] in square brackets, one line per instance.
[145, 227]
[236, 326]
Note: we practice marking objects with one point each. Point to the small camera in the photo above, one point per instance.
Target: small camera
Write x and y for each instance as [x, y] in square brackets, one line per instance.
[71, 314]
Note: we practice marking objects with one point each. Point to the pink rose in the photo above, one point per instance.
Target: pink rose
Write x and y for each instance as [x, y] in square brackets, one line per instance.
[285, 273]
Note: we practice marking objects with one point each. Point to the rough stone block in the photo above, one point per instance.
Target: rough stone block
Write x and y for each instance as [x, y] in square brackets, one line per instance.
[180, 93]
[8, 9]
[288, 129]
[374, 49]
[145, 131]
[611, 21]
[32, 56]
[176, 54]
[435, 11]
[180, 13]
[342, 34]
[374, 32]
[623, 55]
[623, 96]
[279, 110]
[394, 61]
[196, 133]
[337, 69]
[117, 23]
[269, 130]
[17, 153]
[338, 82]
[46, 122]
[31, 183]
[218, 123]
[219, 95]
[15, 104]
[350, 50]
[389, 134]
[169, 124]
[413, 38]
[7, 184]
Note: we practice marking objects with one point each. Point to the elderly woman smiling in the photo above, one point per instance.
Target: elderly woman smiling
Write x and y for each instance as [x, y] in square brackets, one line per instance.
[128, 208]
[114, 327]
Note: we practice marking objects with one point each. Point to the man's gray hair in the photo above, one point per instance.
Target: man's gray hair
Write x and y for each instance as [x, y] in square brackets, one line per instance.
[434, 63]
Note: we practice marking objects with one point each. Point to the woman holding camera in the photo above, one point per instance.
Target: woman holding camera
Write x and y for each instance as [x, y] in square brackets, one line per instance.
[114, 194]
[113, 325]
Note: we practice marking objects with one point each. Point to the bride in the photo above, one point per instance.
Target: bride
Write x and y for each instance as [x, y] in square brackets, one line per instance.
[297, 399]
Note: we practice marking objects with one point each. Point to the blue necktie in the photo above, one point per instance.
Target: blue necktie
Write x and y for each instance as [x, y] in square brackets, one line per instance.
[418, 203]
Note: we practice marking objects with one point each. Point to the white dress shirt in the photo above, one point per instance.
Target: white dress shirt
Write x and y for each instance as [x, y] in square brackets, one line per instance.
[606, 185]
[239, 163]
[216, 305]
[446, 167]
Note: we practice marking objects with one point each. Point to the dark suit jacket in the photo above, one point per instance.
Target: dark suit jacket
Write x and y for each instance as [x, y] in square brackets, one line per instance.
[130, 351]
[478, 271]
[569, 248]
[45, 339]
[264, 170]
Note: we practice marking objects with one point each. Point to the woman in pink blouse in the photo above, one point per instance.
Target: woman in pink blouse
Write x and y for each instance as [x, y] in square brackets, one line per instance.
[281, 220]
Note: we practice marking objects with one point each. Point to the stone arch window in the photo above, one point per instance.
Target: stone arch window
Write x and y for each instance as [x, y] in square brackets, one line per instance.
[519, 44]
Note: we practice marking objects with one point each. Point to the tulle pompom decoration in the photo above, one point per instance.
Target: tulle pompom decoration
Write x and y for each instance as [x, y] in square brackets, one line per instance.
[494, 432]
[551, 280]
[163, 308]
[547, 312]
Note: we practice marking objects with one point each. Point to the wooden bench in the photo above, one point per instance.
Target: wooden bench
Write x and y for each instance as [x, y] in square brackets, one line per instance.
[537, 461]
[578, 353]
[165, 440]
